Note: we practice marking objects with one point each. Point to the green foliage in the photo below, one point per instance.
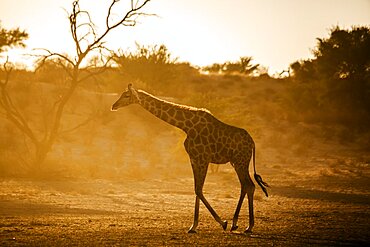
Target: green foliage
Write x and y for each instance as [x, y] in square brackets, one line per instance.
[12, 38]
[338, 77]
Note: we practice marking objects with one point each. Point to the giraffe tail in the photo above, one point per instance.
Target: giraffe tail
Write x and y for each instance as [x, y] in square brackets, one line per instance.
[257, 177]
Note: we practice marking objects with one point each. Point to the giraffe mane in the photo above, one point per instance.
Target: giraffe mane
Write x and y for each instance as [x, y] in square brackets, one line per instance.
[185, 107]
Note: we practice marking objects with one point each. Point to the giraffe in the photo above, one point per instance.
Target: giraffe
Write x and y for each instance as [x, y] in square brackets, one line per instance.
[208, 141]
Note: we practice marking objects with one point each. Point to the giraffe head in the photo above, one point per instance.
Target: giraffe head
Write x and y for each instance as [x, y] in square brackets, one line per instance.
[129, 96]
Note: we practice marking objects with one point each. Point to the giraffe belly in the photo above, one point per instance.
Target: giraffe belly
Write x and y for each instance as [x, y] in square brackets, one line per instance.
[222, 155]
[212, 152]
[217, 144]
[219, 160]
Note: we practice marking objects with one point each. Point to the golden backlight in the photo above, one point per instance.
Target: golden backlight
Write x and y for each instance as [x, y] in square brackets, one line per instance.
[86, 160]
[200, 32]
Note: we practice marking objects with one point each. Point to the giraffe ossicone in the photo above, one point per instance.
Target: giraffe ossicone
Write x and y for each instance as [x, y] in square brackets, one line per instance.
[208, 141]
[133, 91]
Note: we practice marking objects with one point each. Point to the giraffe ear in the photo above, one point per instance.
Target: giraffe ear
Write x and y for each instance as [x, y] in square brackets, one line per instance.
[133, 92]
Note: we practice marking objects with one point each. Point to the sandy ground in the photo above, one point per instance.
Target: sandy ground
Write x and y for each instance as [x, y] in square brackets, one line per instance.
[321, 197]
[322, 207]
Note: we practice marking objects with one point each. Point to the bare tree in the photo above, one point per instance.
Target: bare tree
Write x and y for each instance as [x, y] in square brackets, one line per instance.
[88, 42]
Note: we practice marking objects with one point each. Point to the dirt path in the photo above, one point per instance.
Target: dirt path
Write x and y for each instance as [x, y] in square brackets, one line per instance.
[158, 212]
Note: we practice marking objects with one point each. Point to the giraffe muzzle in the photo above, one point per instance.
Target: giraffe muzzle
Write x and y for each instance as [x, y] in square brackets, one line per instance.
[114, 108]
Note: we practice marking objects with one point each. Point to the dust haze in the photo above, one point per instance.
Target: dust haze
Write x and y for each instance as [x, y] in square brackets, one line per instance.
[73, 172]
[121, 172]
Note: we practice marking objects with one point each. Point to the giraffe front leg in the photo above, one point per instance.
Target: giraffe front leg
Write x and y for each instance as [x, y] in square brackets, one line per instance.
[196, 216]
[223, 223]
[200, 171]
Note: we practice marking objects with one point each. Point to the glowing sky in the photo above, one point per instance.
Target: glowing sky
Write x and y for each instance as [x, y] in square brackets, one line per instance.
[274, 32]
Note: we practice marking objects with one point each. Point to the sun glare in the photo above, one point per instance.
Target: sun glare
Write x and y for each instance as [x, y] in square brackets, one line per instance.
[19, 59]
[116, 150]
[201, 33]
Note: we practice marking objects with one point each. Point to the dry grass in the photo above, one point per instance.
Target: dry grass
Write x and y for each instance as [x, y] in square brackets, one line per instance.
[125, 179]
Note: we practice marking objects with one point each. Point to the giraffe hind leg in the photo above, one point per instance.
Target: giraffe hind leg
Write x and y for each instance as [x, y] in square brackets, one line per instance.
[247, 188]
[196, 216]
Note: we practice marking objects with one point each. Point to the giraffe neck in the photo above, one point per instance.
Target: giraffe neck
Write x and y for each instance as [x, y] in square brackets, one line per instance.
[174, 114]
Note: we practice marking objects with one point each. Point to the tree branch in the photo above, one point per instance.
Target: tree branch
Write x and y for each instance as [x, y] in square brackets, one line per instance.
[12, 113]
[128, 15]
[78, 125]
[53, 54]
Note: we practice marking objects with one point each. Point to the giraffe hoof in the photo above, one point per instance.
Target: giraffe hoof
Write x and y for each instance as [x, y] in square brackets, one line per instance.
[224, 224]
[233, 228]
[248, 231]
[192, 231]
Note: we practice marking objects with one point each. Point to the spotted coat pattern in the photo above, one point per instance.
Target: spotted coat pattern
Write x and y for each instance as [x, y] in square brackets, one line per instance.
[208, 141]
